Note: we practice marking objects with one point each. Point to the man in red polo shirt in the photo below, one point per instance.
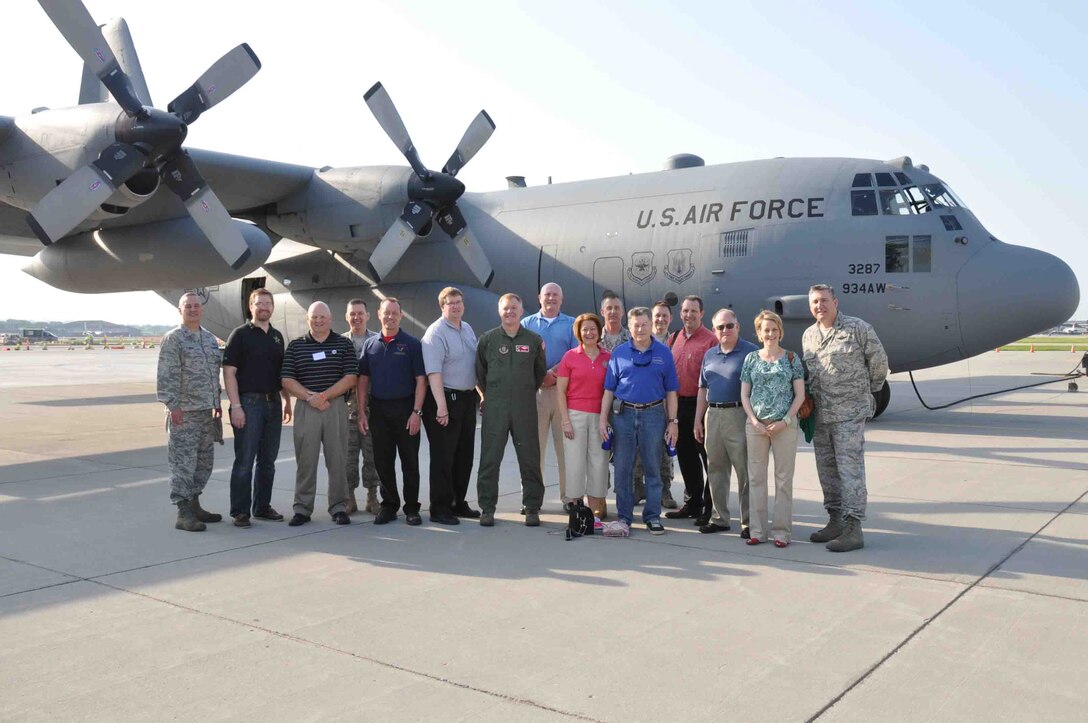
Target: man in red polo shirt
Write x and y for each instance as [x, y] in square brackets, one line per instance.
[688, 350]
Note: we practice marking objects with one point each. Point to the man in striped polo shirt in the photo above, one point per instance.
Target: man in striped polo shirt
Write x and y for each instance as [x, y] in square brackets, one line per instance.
[319, 369]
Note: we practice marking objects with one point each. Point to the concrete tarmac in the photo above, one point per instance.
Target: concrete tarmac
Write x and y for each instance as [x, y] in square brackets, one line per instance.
[969, 601]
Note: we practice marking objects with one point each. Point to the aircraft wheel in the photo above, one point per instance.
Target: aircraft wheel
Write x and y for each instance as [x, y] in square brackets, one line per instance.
[882, 398]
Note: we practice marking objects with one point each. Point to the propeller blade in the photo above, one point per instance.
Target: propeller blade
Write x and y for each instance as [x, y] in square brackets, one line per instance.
[181, 176]
[226, 75]
[67, 205]
[414, 219]
[381, 105]
[83, 34]
[479, 130]
[453, 223]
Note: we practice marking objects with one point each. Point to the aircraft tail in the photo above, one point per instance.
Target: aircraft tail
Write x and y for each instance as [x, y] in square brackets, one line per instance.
[117, 35]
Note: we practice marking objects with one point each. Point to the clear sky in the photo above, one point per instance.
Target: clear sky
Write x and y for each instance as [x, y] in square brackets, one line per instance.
[993, 96]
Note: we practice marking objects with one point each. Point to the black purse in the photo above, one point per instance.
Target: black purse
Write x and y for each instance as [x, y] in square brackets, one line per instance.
[579, 520]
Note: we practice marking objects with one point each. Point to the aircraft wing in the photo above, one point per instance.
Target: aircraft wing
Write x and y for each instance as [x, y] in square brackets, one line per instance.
[244, 184]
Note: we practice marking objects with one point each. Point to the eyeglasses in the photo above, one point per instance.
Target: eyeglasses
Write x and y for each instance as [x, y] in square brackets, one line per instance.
[729, 325]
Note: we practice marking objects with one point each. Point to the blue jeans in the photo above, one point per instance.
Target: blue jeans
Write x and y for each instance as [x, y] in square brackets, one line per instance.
[641, 430]
[259, 440]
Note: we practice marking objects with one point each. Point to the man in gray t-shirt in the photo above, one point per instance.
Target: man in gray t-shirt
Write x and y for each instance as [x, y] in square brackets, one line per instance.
[358, 316]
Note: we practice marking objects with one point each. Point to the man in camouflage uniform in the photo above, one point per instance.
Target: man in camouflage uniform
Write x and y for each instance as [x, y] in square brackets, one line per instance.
[846, 364]
[357, 317]
[188, 384]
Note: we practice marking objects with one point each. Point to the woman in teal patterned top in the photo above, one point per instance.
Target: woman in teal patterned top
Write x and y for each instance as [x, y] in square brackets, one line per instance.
[772, 388]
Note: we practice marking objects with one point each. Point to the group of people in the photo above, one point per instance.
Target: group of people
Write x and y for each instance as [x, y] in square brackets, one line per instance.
[618, 402]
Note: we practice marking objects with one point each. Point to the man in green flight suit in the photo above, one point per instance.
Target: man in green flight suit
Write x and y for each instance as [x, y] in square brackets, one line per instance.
[510, 367]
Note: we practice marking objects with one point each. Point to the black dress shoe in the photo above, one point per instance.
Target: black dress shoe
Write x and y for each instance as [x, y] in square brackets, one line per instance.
[268, 514]
[745, 534]
[702, 520]
[444, 518]
[385, 516]
[299, 520]
[685, 512]
[341, 518]
[412, 518]
[461, 509]
[712, 528]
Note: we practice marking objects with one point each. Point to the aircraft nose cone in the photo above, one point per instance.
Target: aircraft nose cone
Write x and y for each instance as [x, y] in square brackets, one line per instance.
[1007, 292]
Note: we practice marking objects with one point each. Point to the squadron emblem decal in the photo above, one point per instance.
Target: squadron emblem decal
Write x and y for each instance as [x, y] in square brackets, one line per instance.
[678, 266]
[642, 269]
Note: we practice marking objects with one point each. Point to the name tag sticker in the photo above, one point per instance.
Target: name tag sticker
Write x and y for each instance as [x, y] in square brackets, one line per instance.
[319, 355]
[521, 349]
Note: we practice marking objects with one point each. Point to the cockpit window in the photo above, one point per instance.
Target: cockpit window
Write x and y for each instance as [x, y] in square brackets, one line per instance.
[903, 179]
[884, 179]
[862, 180]
[917, 199]
[863, 203]
[894, 203]
[939, 196]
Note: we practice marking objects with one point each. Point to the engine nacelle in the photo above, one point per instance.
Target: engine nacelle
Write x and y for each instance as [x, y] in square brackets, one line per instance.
[166, 254]
[131, 194]
[344, 209]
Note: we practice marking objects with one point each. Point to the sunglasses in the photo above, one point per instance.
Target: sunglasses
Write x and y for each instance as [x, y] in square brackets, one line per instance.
[729, 325]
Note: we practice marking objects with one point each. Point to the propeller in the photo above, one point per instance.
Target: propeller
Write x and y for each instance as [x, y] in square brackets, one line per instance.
[145, 138]
[432, 197]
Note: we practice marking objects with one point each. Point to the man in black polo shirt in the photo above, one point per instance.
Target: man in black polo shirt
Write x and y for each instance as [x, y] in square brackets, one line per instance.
[319, 369]
[251, 374]
[391, 369]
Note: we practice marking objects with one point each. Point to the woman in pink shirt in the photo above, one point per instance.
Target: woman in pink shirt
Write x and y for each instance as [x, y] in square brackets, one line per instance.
[580, 383]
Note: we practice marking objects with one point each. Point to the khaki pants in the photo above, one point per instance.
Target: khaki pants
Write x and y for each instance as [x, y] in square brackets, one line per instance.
[726, 449]
[315, 430]
[587, 463]
[548, 417]
[760, 447]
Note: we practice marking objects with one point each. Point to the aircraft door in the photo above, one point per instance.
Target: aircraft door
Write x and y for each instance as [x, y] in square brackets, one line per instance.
[608, 274]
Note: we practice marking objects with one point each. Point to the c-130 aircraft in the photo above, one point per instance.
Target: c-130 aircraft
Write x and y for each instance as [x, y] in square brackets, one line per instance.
[898, 246]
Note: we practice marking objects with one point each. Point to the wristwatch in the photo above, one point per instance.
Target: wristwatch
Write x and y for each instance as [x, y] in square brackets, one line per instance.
[674, 421]
[786, 420]
[417, 412]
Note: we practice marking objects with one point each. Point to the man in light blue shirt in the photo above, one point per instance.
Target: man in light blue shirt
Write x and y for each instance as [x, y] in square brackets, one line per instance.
[557, 330]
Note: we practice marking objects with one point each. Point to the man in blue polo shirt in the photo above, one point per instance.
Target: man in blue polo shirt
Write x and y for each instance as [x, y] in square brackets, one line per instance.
[391, 370]
[723, 436]
[557, 331]
[642, 380]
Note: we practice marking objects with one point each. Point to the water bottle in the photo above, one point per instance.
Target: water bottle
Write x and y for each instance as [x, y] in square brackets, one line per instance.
[607, 444]
[670, 448]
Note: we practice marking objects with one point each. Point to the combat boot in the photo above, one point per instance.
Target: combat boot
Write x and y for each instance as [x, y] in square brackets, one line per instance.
[831, 530]
[373, 506]
[353, 506]
[201, 514]
[187, 520]
[850, 539]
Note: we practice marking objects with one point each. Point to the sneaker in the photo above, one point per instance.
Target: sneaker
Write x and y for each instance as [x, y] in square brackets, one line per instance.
[618, 528]
[655, 527]
[597, 524]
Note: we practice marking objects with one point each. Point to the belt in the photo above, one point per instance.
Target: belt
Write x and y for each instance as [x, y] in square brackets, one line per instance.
[724, 405]
[268, 397]
[648, 405]
[452, 393]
